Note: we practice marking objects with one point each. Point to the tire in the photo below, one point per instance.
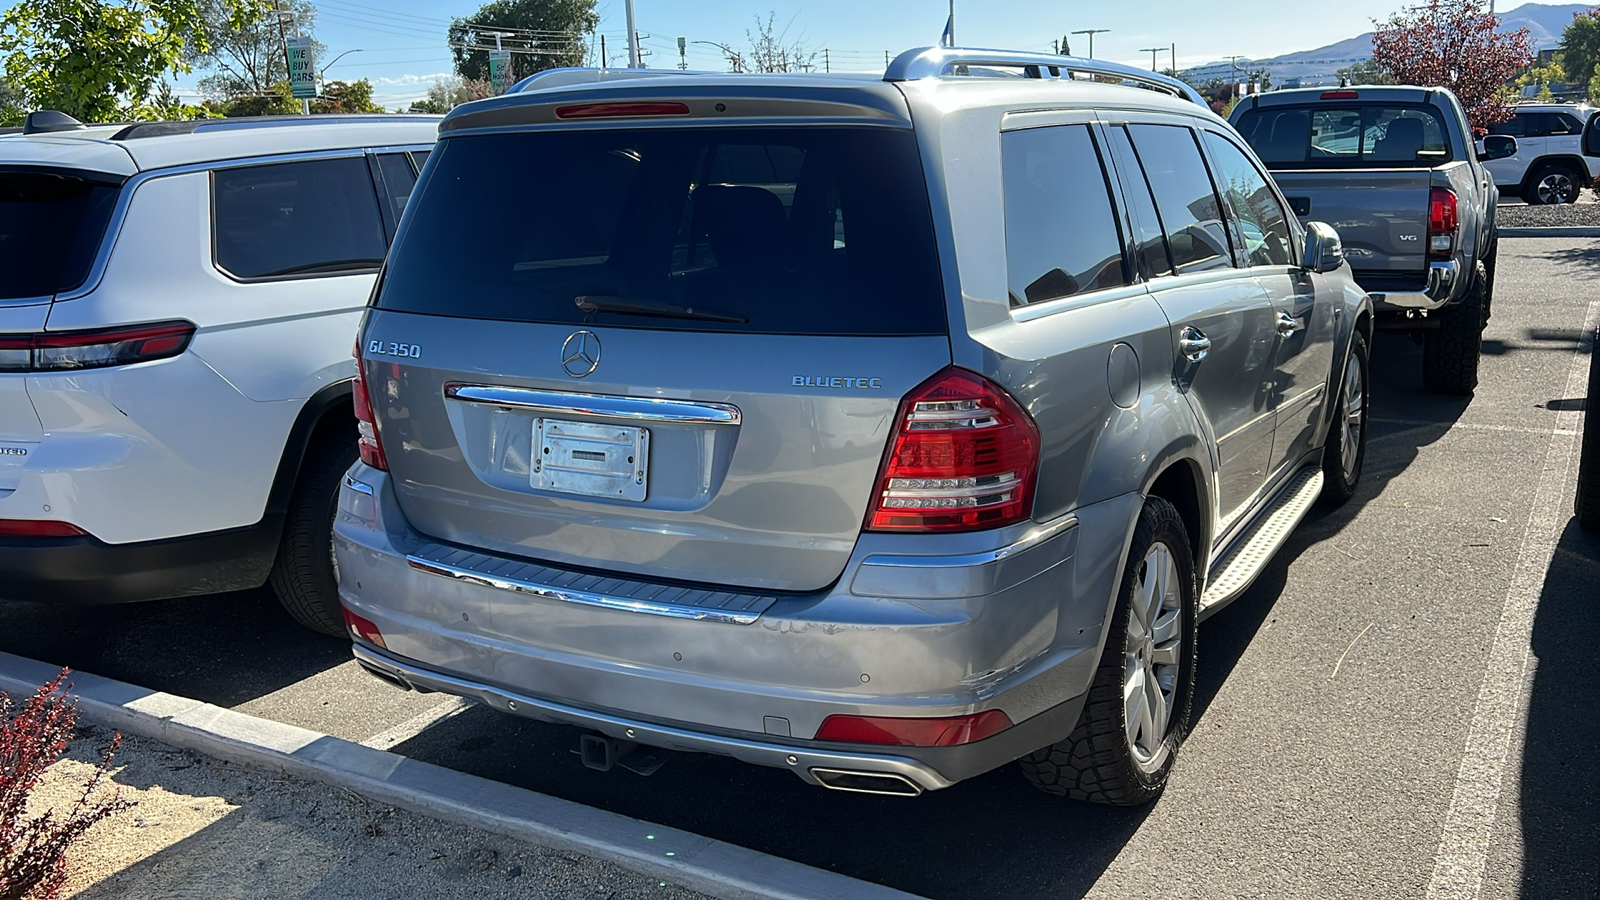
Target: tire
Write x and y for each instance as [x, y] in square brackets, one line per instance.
[1588, 505]
[1553, 183]
[1100, 761]
[1450, 353]
[304, 576]
[1346, 448]
[1489, 260]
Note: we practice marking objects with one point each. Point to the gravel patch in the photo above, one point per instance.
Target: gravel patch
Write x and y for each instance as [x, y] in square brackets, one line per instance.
[204, 828]
[1564, 215]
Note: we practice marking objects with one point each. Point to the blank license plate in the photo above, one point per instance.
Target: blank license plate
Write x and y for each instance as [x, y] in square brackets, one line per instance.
[592, 460]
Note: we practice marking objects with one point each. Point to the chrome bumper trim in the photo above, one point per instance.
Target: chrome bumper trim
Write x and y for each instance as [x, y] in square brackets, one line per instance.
[599, 406]
[360, 487]
[1035, 536]
[799, 760]
[1441, 281]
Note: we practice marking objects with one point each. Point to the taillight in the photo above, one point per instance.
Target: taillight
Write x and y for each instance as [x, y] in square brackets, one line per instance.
[913, 732]
[963, 456]
[367, 440]
[70, 351]
[1442, 222]
[364, 629]
[38, 528]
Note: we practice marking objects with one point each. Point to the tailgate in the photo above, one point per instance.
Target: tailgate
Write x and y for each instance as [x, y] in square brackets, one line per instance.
[1381, 215]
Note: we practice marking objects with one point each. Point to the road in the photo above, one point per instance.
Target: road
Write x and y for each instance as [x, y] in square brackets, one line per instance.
[1405, 700]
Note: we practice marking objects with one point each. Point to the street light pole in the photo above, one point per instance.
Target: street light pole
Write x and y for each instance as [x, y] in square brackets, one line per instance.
[323, 75]
[1152, 51]
[633, 38]
[1091, 32]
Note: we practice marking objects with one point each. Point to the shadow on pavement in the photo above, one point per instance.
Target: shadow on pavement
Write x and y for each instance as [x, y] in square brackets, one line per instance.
[1561, 749]
[1576, 257]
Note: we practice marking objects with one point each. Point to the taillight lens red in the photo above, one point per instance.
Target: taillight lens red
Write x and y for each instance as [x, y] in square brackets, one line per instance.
[38, 528]
[1340, 95]
[621, 110]
[68, 351]
[364, 629]
[367, 440]
[963, 456]
[1443, 222]
[913, 732]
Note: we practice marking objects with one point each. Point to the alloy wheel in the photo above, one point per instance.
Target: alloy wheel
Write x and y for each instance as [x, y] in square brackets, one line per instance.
[1152, 656]
[1355, 412]
[1557, 187]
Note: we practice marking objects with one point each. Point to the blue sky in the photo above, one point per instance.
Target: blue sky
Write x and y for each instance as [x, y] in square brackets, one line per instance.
[402, 41]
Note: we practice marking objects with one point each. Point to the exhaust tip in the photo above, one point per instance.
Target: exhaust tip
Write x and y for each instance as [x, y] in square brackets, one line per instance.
[867, 782]
[388, 678]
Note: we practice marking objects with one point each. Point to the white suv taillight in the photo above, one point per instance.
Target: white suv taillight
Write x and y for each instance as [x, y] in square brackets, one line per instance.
[367, 440]
[1442, 222]
[963, 457]
[71, 351]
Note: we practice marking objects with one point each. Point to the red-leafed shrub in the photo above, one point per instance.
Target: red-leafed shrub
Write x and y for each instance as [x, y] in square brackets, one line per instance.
[1455, 44]
[33, 851]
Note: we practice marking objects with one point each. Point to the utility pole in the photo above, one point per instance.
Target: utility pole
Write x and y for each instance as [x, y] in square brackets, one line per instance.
[633, 38]
[683, 59]
[1233, 67]
[605, 62]
[1091, 32]
[1174, 59]
[827, 68]
[1055, 46]
[886, 59]
[952, 23]
[1152, 51]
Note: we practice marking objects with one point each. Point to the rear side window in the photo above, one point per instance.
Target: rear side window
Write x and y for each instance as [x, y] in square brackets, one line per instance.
[51, 227]
[1263, 225]
[1346, 136]
[398, 180]
[1150, 245]
[1061, 233]
[811, 230]
[1191, 214]
[316, 217]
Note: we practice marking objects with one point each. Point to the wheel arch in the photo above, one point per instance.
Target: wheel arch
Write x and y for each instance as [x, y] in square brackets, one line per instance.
[1565, 160]
[1179, 478]
[320, 417]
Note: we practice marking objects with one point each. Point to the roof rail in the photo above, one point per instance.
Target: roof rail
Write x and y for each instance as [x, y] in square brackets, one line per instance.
[138, 130]
[939, 62]
[566, 77]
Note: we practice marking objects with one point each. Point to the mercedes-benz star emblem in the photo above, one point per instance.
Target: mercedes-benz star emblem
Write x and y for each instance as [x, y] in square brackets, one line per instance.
[580, 354]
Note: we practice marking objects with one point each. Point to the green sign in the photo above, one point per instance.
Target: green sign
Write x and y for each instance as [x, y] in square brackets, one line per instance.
[302, 76]
[500, 70]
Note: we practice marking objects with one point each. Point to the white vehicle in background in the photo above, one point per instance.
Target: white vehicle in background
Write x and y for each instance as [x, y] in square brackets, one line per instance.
[1558, 152]
[178, 302]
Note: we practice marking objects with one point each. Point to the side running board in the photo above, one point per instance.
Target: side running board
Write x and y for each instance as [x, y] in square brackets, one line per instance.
[1237, 569]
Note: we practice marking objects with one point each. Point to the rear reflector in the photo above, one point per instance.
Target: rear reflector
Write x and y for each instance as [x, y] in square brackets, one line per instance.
[363, 629]
[38, 528]
[1340, 95]
[963, 456]
[620, 110]
[368, 442]
[70, 351]
[913, 732]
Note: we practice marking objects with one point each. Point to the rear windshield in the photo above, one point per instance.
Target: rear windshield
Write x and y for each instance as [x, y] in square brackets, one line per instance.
[51, 226]
[1354, 135]
[774, 230]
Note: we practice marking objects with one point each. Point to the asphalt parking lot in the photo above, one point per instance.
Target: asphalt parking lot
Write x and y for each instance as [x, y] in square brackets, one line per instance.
[1402, 705]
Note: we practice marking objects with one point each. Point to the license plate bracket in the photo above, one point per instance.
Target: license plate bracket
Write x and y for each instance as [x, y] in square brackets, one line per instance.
[591, 459]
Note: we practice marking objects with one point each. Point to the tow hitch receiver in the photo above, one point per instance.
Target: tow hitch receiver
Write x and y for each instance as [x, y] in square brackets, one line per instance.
[602, 753]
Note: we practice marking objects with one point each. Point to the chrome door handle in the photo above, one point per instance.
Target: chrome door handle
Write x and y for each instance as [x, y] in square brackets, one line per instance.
[1288, 324]
[1193, 344]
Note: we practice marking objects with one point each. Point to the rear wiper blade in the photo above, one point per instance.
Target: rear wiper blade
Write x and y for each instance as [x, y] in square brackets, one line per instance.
[634, 306]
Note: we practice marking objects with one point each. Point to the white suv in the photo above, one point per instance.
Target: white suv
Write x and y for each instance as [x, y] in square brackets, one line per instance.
[178, 302]
[1558, 152]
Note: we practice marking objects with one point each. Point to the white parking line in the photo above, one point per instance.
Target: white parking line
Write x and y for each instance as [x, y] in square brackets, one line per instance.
[1474, 426]
[1463, 851]
[417, 724]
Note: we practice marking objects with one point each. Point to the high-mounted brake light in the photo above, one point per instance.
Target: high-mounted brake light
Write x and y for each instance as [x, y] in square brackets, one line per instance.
[38, 528]
[1443, 221]
[1340, 95]
[70, 351]
[913, 732]
[620, 110]
[367, 440]
[963, 456]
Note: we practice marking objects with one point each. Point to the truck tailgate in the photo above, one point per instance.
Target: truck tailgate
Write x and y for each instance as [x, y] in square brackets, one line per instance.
[1381, 214]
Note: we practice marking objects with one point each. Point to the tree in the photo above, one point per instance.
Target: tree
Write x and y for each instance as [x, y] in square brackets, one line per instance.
[245, 54]
[770, 50]
[276, 100]
[449, 93]
[346, 97]
[1365, 72]
[544, 34]
[1455, 44]
[91, 58]
[1580, 46]
[13, 104]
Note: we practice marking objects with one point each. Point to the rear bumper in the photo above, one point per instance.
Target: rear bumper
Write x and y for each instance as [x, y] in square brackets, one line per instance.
[915, 626]
[1438, 289]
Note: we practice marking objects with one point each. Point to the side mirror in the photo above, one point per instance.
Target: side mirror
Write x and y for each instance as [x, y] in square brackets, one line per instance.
[1497, 146]
[1324, 250]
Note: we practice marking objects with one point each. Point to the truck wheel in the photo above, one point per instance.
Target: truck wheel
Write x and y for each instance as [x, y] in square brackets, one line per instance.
[1346, 447]
[1137, 712]
[1589, 458]
[305, 576]
[1552, 183]
[1489, 260]
[1450, 352]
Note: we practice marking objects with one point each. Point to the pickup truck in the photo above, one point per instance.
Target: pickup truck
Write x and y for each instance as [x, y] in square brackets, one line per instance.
[1396, 170]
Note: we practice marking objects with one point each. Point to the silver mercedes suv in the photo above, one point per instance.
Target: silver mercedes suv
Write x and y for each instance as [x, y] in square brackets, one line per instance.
[886, 430]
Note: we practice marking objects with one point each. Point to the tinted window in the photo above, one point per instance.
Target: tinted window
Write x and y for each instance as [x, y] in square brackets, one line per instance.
[774, 230]
[51, 227]
[1150, 244]
[1565, 123]
[1061, 233]
[1263, 226]
[420, 158]
[1354, 136]
[298, 218]
[1191, 214]
[1516, 126]
[398, 179]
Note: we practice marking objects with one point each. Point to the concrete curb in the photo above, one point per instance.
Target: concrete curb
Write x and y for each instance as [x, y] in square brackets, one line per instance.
[699, 863]
[1588, 231]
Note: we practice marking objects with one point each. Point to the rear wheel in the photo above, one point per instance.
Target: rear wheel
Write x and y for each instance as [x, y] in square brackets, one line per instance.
[1450, 352]
[1346, 447]
[1489, 260]
[305, 576]
[1552, 184]
[1137, 712]
[1589, 462]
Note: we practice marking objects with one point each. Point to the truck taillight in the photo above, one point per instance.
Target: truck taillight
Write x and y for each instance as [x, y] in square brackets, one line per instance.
[1442, 223]
[367, 440]
[963, 456]
[72, 351]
